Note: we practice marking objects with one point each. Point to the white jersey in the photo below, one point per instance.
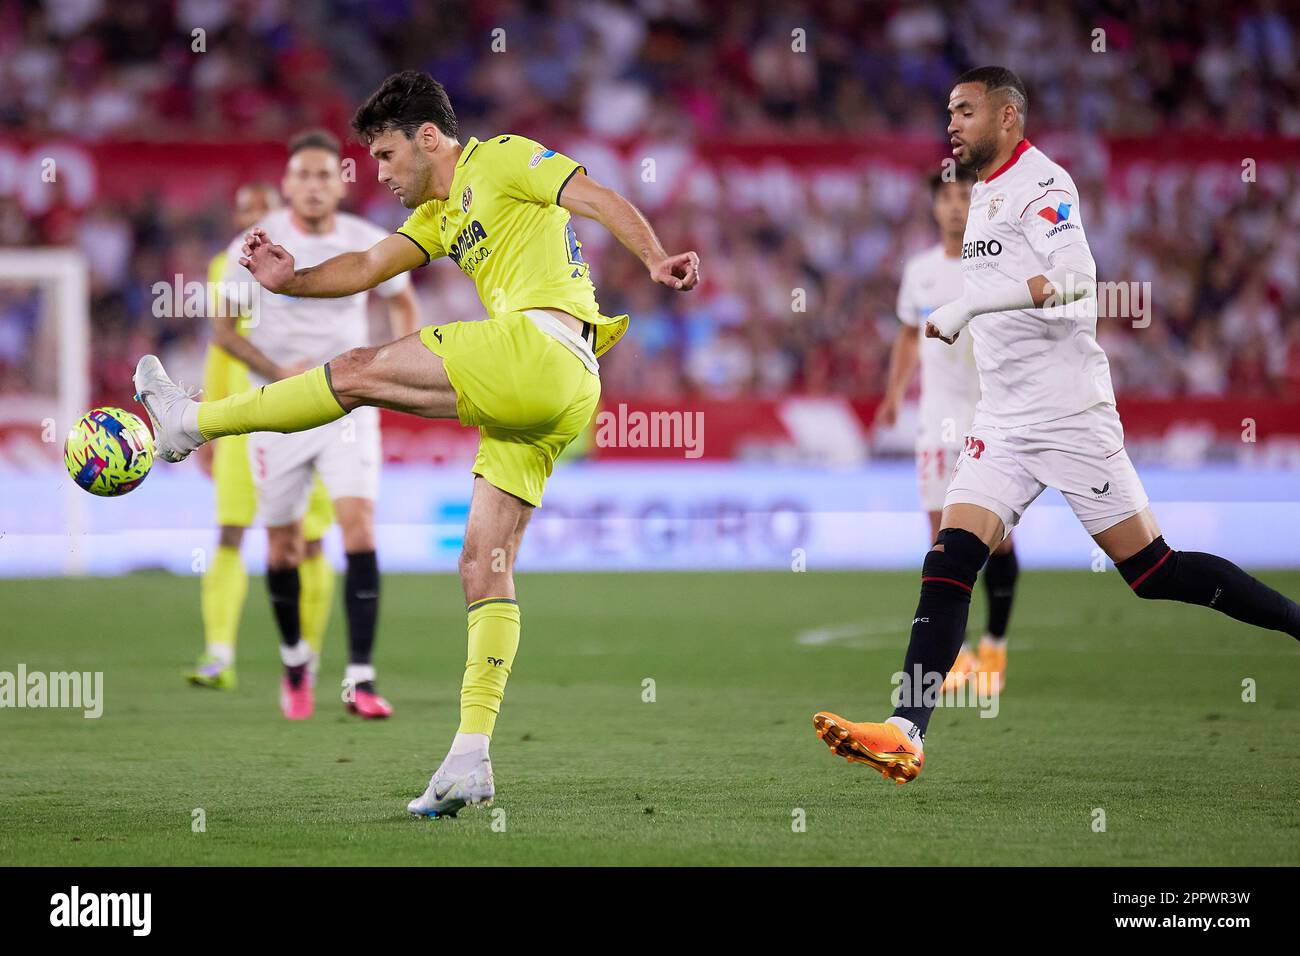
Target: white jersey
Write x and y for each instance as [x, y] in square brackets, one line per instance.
[290, 330]
[950, 384]
[1035, 365]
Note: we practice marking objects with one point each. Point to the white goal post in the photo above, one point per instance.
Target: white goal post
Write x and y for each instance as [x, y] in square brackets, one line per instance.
[64, 277]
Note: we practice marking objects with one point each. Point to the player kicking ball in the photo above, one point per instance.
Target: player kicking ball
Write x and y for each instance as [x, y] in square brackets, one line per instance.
[1046, 419]
[282, 335]
[224, 585]
[950, 390]
[527, 378]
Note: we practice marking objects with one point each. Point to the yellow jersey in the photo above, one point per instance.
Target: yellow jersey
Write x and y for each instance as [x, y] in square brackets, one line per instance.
[503, 226]
[223, 374]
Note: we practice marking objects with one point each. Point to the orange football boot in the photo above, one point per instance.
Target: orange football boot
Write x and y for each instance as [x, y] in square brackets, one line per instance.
[992, 667]
[882, 746]
[967, 663]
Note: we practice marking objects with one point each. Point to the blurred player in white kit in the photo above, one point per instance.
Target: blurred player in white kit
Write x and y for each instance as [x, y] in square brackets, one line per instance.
[287, 335]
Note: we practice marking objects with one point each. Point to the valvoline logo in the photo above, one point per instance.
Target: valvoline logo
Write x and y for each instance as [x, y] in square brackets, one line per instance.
[1059, 214]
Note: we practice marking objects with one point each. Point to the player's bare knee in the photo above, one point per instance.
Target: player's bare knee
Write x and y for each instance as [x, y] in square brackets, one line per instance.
[284, 550]
[284, 560]
[230, 536]
[352, 376]
[359, 539]
[357, 526]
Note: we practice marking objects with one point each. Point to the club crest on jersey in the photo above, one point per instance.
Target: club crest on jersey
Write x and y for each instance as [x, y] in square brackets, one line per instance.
[995, 205]
[466, 198]
[539, 154]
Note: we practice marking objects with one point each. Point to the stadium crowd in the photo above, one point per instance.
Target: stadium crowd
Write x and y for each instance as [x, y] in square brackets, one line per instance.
[1225, 288]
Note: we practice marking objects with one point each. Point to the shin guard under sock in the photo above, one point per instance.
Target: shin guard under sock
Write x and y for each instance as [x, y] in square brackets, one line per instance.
[1000, 575]
[1192, 577]
[939, 626]
[361, 601]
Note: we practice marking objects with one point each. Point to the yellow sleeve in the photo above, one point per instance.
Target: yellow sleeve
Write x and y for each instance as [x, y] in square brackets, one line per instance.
[216, 374]
[218, 364]
[422, 227]
[527, 170]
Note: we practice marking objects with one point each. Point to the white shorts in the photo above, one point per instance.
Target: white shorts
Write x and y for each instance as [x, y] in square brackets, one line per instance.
[1082, 456]
[346, 453]
[937, 448]
[934, 464]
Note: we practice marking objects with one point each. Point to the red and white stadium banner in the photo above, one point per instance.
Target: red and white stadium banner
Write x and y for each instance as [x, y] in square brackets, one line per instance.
[191, 175]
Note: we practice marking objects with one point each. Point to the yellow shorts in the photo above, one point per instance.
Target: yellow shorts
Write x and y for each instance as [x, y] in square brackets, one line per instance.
[528, 395]
[237, 497]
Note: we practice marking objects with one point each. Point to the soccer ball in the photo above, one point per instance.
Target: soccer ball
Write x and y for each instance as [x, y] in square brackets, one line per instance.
[108, 452]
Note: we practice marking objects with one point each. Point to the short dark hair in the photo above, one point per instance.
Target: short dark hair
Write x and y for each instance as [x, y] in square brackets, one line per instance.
[315, 139]
[998, 79]
[405, 101]
[959, 174]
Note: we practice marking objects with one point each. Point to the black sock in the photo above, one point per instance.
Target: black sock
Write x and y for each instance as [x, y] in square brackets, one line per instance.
[286, 589]
[1000, 575]
[361, 600]
[1159, 572]
[939, 625]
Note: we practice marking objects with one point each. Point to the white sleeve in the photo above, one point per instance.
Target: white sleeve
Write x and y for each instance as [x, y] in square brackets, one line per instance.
[237, 283]
[908, 312]
[1051, 220]
[1072, 270]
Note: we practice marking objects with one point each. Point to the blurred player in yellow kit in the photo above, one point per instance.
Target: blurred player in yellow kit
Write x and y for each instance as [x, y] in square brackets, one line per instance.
[527, 377]
[224, 585]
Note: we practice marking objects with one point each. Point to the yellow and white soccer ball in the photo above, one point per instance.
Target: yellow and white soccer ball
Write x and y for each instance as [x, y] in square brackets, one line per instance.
[108, 452]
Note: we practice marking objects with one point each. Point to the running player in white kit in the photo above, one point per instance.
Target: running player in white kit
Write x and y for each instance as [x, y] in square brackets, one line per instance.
[1046, 418]
[284, 336]
[950, 389]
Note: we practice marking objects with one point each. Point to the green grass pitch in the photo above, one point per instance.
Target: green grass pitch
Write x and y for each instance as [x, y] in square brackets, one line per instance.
[1114, 704]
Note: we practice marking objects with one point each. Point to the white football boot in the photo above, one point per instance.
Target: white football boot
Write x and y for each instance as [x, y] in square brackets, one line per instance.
[448, 792]
[167, 404]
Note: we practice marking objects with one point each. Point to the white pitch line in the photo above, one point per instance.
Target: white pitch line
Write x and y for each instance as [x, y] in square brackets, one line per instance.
[849, 632]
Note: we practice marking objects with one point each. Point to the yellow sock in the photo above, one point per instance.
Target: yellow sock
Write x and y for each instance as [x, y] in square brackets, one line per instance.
[317, 579]
[493, 640]
[221, 595]
[291, 405]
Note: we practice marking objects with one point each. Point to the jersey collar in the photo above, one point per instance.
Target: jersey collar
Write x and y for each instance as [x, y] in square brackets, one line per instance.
[1016, 153]
[461, 170]
[465, 153]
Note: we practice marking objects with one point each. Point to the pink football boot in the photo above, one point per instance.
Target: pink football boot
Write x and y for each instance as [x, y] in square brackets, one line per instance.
[369, 705]
[296, 703]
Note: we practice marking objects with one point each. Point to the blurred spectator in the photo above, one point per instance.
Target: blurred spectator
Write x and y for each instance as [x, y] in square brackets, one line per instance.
[800, 302]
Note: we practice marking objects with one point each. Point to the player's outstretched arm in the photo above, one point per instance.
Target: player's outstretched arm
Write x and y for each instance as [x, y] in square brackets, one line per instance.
[226, 337]
[1071, 275]
[585, 197]
[903, 359]
[346, 274]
